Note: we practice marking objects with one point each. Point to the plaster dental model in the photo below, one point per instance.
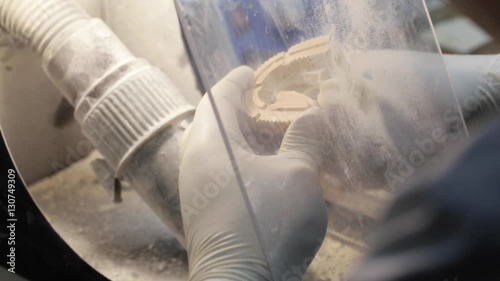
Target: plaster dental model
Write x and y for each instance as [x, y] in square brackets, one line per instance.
[287, 85]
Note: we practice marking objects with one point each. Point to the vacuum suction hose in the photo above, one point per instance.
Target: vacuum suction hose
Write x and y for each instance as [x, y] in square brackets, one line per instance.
[126, 107]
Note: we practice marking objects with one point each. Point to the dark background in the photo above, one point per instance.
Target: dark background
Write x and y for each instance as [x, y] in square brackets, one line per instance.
[40, 253]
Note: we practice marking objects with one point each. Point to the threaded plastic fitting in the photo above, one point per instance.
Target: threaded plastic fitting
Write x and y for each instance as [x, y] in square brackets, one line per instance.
[121, 102]
[38, 23]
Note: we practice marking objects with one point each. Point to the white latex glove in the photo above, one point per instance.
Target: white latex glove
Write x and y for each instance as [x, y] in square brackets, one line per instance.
[475, 79]
[394, 112]
[284, 191]
[475, 76]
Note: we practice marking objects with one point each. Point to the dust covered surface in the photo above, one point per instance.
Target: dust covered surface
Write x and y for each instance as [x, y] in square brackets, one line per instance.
[334, 262]
[128, 242]
[122, 241]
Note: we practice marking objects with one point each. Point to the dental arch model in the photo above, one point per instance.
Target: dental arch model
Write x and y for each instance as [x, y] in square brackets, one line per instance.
[287, 85]
[292, 82]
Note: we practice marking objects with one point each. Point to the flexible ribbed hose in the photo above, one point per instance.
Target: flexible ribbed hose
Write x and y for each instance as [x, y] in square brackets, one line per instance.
[121, 102]
[40, 22]
[97, 74]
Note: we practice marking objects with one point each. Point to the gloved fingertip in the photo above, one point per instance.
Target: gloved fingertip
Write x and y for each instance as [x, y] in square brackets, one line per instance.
[334, 92]
[309, 120]
[233, 86]
[242, 77]
[306, 136]
[184, 142]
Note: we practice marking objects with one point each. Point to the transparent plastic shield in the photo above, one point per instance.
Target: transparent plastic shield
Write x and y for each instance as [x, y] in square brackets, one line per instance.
[392, 112]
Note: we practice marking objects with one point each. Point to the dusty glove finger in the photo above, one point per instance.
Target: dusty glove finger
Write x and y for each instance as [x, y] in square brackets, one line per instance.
[476, 80]
[305, 138]
[226, 96]
[333, 92]
[239, 80]
[184, 142]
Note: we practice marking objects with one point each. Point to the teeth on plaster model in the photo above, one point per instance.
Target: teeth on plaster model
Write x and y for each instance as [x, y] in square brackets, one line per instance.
[288, 84]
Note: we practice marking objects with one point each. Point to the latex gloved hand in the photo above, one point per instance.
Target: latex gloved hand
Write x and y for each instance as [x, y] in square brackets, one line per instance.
[284, 191]
[396, 111]
[419, 81]
[380, 103]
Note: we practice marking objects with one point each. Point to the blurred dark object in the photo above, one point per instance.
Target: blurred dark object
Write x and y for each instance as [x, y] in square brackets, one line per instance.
[447, 228]
[40, 253]
[484, 12]
[239, 21]
[64, 114]
[446, 12]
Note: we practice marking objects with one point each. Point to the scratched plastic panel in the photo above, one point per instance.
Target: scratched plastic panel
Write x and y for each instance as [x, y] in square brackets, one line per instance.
[392, 113]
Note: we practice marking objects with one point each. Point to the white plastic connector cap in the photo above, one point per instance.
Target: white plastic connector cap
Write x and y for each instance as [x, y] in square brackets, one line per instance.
[120, 101]
[131, 113]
